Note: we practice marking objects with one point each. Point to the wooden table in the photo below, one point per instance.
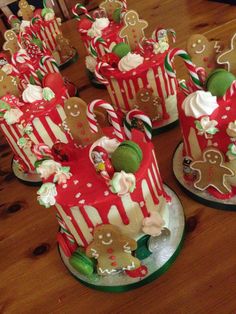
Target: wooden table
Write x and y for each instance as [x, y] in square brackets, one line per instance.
[203, 278]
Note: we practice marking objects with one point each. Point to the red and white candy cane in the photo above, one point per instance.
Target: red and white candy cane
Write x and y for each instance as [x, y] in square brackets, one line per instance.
[230, 91]
[99, 76]
[147, 124]
[202, 74]
[48, 64]
[99, 103]
[41, 151]
[81, 7]
[94, 45]
[195, 80]
[144, 42]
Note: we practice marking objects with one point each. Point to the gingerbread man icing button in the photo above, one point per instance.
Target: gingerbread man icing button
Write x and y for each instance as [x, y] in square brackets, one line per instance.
[133, 31]
[112, 250]
[203, 52]
[212, 171]
[11, 43]
[109, 6]
[26, 10]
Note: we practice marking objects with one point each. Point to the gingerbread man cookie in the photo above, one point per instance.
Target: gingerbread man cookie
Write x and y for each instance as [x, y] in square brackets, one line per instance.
[149, 104]
[212, 171]
[63, 46]
[228, 57]
[77, 123]
[203, 52]
[133, 31]
[26, 10]
[112, 250]
[11, 43]
[109, 6]
[8, 84]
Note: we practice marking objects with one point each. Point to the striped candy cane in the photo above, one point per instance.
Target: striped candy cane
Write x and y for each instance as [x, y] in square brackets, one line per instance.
[202, 74]
[147, 124]
[230, 91]
[197, 84]
[81, 7]
[93, 46]
[64, 229]
[48, 64]
[99, 103]
[41, 151]
[99, 76]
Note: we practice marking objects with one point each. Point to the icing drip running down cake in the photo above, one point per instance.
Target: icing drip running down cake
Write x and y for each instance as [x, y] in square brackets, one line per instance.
[41, 28]
[207, 120]
[131, 66]
[32, 118]
[111, 204]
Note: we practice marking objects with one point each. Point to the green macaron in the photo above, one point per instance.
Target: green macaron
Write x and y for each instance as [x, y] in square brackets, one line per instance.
[219, 81]
[121, 49]
[82, 263]
[127, 157]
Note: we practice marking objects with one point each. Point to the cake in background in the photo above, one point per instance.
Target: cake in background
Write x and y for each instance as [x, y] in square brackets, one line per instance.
[131, 66]
[118, 223]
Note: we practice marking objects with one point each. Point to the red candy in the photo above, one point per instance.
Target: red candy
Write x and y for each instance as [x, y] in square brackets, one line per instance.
[138, 272]
[54, 81]
[111, 58]
[84, 24]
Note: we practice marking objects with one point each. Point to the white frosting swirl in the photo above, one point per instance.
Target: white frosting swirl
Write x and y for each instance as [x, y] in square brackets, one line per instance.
[12, 116]
[122, 183]
[23, 25]
[32, 93]
[130, 61]
[48, 168]
[199, 103]
[90, 63]
[98, 25]
[46, 194]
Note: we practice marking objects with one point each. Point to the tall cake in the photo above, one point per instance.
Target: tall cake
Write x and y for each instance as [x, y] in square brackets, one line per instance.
[110, 201]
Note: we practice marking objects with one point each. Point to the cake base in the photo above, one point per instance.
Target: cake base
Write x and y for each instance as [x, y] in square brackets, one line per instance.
[69, 61]
[202, 197]
[164, 126]
[31, 178]
[94, 81]
[164, 249]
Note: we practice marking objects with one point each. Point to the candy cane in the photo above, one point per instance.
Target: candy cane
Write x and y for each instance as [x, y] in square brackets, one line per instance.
[64, 229]
[197, 84]
[202, 74]
[230, 91]
[81, 7]
[93, 46]
[125, 7]
[41, 151]
[147, 124]
[99, 76]
[48, 64]
[99, 103]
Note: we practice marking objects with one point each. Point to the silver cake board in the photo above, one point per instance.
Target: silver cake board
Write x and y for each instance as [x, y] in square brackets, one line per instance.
[165, 250]
[28, 178]
[202, 197]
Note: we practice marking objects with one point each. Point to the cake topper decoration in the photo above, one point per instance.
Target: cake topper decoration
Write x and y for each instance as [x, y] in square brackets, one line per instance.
[133, 31]
[112, 250]
[11, 43]
[203, 52]
[109, 6]
[64, 47]
[8, 84]
[212, 171]
[26, 10]
[228, 57]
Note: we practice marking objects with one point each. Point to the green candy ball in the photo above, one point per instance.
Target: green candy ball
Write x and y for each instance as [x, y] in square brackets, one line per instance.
[121, 49]
[219, 81]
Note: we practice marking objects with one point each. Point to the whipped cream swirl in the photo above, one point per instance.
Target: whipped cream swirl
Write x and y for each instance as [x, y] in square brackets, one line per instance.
[130, 61]
[47, 194]
[98, 25]
[32, 93]
[199, 103]
[122, 183]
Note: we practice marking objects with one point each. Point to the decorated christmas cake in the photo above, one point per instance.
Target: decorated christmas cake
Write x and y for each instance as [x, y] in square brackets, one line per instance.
[111, 203]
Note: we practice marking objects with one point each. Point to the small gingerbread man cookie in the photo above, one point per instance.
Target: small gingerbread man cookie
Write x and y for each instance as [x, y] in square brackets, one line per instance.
[149, 104]
[77, 123]
[8, 84]
[63, 46]
[112, 250]
[11, 43]
[109, 6]
[212, 171]
[26, 10]
[133, 31]
[228, 57]
[203, 52]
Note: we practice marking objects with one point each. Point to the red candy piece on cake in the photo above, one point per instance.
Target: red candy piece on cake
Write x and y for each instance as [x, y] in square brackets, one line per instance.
[84, 24]
[112, 59]
[54, 81]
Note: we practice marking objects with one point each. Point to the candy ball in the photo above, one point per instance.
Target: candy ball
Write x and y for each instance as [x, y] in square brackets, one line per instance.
[121, 49]
[219, 81]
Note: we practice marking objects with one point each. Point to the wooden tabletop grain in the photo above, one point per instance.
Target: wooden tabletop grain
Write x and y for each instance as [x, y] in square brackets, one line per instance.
[202, 279]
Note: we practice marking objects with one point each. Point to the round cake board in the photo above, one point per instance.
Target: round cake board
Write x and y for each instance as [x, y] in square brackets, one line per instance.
[202, 197]
[31, 178]
[94, 81]
[69, 61]
[166, 125]
[165, 249]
